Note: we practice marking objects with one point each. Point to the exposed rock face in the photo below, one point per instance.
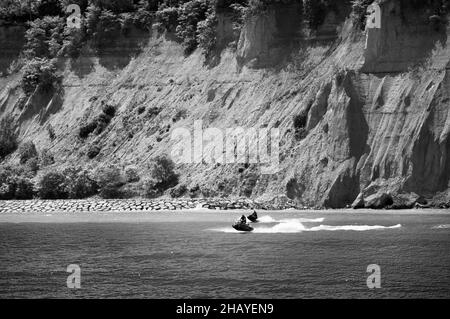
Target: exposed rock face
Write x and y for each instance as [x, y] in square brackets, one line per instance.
[254, 44]
[264, 38]
[378, 201]
[406, 201]
[371, 133]
[406, 39]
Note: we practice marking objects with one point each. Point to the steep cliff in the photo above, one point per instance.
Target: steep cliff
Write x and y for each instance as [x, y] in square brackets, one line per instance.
[375, 111]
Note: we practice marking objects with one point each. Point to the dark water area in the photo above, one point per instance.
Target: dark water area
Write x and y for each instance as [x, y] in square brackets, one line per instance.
[197, 254]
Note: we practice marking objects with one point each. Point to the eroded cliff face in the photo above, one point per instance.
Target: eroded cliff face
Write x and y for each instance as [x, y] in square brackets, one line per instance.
[376, 114]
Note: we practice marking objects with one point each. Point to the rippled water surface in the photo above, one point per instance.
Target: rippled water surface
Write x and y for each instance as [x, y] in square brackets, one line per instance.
[197, 254]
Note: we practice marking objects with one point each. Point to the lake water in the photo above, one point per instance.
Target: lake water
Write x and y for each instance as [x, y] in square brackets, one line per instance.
[196, 254]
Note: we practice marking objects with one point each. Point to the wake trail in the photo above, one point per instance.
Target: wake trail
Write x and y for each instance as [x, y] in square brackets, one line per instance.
[442, 226]
[269, 219]
[290, 226]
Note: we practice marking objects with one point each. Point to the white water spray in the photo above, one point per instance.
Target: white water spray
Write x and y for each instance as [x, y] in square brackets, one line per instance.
[290, 226]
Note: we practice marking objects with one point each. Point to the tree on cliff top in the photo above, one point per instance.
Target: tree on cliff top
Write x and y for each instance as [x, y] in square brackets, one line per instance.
[190, 15]
[38, 73]
[315, 11]
[359, 12]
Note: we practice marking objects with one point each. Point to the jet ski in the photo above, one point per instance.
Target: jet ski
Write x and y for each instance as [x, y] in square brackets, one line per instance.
[240, 226]
[253, 217]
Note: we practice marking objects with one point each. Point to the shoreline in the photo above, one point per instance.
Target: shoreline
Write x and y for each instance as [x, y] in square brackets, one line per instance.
[163, 205]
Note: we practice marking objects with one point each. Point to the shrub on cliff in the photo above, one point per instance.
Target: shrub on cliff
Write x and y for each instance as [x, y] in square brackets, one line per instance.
[190, 15]
[299, 124]
[110, 180]
[106, 27]
[194, 191]
[7, 187]
[46, 158]
[38, 73]
[27, 151]
[92, 16]
[249, 8]
[315, 12]
[207, 192]
[163, 172]
[17, 10]
[116, 6]
[24, 188]
[206, 33]
[359, 12]
[8, 136]
[17, 188]
[73, 41]
[143, 19]
[151, 5]
[178, 191]
[248, 184]
[51, 132]
[72, 182]
[15, 184]
[148, 188]
[246, 9]
[79, 183]
[132, 175]
[87, 129]
[49, 8]
[103, 120]
[93, 151]
[81, 3]
[32, 166]
[44, 37]
[109, 110]
[167, 17]
[99, 123]
[52, 185]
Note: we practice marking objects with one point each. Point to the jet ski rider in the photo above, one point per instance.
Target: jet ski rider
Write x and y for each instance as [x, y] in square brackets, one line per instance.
[243, 219]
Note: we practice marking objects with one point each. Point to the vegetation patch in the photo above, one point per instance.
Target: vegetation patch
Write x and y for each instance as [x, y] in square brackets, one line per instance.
[15, 183]
[52, 185]
[178, 191]
[299, 124]
[79, 183]
[359, 12]
[99, 123]
[8, 136]
[109, 180]
[163, 173]
[38, 73]
[93, 151]
[27, 151]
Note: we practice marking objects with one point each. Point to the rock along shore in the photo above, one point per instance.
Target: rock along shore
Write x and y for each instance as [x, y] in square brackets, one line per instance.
[169, 204]
[134, 205]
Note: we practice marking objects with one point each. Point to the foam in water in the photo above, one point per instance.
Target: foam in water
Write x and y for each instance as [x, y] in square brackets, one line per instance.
[199, 208]
[282, 228]
[289, 226]
[352, 227]
[270, 219]
[266, 219]
[443, 226]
